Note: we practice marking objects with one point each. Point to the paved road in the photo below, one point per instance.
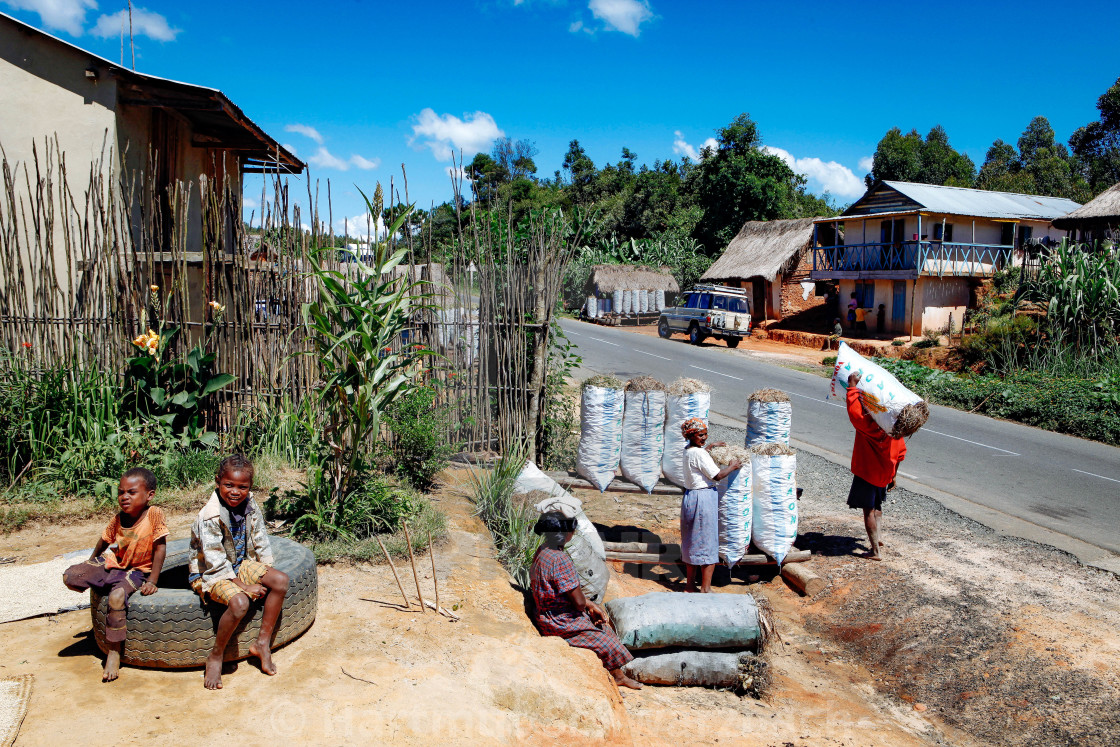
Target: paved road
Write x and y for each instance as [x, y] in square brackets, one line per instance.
[1045, 486]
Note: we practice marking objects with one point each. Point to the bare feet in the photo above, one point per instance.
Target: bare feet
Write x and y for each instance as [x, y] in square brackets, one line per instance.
[873, 556]
[263, 651]
[622, 680]
[213, 676]
[112, 666]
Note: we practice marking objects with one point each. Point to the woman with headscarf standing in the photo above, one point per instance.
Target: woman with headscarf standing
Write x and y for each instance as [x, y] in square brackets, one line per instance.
[700, 507]
[561, 607]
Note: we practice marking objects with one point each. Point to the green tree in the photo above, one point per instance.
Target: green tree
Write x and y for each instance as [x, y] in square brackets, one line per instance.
[1096, 146]
[738, 182]
[581, 173]
[909, 158]
[1041, 166]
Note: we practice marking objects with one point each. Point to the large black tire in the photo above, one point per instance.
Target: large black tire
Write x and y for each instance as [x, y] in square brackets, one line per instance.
[172, 628]
[732, 341]
[663, 329]
[695, 336]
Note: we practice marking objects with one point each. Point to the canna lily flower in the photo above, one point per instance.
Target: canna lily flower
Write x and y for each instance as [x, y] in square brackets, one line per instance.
[26, 344]
[154, 288]
[149, 342]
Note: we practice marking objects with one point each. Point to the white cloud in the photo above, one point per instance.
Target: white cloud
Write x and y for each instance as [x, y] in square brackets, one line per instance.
[290, 148]
[67, 15]
[306, 131]
[682, 148]
[364, 163]
[324, 159]
[626, 16]
[249, 203]
[360, 226]
[446, 133]
[576, 26]
[833, 177]
[866, 163]
[144, 23]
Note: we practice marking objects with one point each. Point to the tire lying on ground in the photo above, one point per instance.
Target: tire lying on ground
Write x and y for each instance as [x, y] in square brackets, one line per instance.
[172, 628]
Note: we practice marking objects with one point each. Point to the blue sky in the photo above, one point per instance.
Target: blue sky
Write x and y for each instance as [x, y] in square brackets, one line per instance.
[358, 88]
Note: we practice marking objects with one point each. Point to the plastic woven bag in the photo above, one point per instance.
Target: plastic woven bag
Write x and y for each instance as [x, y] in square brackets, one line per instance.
[769, 417]
[663, 619]
[680, 408]
[600, 440]
[774, 490]
[688, 668]
[896, 409]
[643, 438]
[736, 507]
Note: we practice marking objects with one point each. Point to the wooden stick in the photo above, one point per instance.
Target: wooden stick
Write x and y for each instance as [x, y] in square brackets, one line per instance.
[670, 557]
[648, 547]
[393, 568]
[803, 579]
[441, 611]
[412, 559]
[435, 581]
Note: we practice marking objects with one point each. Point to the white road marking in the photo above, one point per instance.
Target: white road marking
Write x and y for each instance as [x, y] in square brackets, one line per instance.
[607, 342]
[815, 399]
[907, 474]
[577, 334]
[1094, 475]
[717, 373]
[976, 443]
[653, 354]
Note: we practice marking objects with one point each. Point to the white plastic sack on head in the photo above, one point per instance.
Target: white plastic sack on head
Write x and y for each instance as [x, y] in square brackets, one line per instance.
[531, 478]
[600, 438]
[643, 438]
[736, 505]
[768, 422]
[662, 619]
[680, 408]
[882, 394]
[774, 488]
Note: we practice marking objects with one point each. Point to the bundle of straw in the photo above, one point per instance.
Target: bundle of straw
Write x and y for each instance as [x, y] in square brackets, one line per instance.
[769, 395]
[727, 454]
[688, 386]
[772, 449]
[910, 419]
[604, 382]
[644, 384]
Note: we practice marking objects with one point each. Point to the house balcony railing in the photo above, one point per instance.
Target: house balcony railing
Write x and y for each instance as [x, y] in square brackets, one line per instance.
[909, 259]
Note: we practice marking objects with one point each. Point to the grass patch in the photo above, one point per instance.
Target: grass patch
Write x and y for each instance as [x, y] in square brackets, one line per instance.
[509, 521]
[427, 519]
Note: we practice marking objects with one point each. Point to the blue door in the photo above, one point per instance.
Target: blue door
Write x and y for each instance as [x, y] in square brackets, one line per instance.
[898, 305]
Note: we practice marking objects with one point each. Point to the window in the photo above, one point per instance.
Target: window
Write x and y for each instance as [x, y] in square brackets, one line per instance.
[948, 237]
[865, 294]
[1025, 234]
[738, 306]
[1006, 234]
[690, 300]
[720, 302]
[705, 301]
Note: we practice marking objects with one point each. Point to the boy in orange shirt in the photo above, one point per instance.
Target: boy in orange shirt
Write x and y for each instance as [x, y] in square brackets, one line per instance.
[136, 540]
[875, 460]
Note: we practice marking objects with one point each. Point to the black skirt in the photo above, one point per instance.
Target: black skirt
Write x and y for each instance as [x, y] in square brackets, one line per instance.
[865, 495]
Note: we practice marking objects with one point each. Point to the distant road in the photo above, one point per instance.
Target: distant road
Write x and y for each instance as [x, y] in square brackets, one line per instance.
[1044, 486]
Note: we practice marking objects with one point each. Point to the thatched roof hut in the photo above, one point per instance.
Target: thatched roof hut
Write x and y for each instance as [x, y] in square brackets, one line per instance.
[606, 279]
[1103, 211]
[763, 248]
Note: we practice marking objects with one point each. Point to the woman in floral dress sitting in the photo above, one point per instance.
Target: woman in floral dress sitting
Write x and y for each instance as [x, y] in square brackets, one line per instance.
[561, 607]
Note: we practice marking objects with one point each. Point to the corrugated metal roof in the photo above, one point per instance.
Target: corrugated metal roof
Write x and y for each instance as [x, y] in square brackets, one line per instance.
[982, 203]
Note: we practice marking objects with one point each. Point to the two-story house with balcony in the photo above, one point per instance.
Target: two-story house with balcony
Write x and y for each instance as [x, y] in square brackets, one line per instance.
[921, 250]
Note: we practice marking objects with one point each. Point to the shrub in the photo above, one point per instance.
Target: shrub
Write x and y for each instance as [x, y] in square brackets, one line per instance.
[418, 449]
[829, 361]
[1001, 343]
[377, 503]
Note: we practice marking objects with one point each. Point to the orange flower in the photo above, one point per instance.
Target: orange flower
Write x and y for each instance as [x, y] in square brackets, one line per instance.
[26, 344]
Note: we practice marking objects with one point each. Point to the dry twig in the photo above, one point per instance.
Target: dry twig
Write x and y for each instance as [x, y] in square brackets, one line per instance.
[393, 568]
[412, 559]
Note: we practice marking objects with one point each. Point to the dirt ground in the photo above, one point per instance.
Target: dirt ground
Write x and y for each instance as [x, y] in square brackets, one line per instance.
[368, 670]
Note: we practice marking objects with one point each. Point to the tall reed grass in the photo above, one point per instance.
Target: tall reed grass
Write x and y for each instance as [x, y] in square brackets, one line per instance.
[509, 521]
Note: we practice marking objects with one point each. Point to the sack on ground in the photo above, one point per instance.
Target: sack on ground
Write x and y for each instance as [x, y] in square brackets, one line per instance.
[600, 439]
[769, 417]
[664, 619]
[896, 409]
[643, 438]
[680, 408]
[591, 567]
[689, 668]
[735, 505]
[774, 489]
[532, 479]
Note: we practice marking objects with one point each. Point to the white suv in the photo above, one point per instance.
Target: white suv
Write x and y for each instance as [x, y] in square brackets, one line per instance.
[709, 311]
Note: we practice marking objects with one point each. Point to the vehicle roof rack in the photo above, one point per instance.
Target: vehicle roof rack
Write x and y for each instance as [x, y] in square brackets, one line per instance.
[718, 289]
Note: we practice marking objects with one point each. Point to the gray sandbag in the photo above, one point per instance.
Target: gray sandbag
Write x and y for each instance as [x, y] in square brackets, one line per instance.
[592, 569]
[664, 619]
[690, 668]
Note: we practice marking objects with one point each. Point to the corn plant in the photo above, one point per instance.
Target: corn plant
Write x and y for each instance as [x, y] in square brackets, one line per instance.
[1082, 288]
[356, 325]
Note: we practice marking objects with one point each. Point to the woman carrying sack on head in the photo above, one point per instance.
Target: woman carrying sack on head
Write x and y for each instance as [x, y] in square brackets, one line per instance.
[700, 507]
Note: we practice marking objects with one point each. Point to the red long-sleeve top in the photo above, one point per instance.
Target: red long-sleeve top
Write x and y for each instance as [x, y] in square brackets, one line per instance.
[875, 455]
